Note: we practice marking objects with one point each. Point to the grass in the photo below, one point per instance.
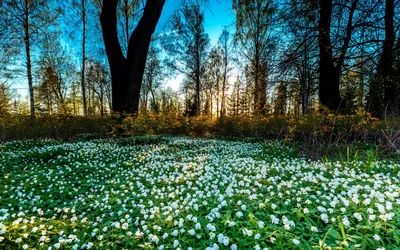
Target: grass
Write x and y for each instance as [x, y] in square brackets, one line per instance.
[158, 192]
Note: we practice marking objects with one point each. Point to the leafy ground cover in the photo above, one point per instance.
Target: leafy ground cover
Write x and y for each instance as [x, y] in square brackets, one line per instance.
[181, 193]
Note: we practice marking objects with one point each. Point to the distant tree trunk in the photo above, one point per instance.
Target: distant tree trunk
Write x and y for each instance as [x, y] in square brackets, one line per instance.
[223, 99]
[211, 102]
[29, 61]
[390, 93]
[217, 85]
[305, 78]
[127, 73]
[330, 67]
[198, 81]
[83, 57]
[256, 85]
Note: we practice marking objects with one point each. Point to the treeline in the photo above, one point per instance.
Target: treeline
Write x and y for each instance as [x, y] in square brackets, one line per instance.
[88, 57]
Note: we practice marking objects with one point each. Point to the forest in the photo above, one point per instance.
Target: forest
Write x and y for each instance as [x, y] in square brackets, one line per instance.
[276, 57]
[199, 124]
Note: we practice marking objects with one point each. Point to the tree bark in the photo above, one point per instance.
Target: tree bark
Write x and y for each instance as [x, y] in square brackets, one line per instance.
[83, 58]
[127, 73]
[390, 88]
[329, 66]
[29, 61]
[329, 94]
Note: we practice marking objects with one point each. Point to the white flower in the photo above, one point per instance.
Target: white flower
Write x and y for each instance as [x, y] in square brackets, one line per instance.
[247, 232]
[57, 245]
[376, 237]
[124, 226]
[274, 219]
[25, 246]
[176, 243]
[192, 232]
[19, 240]
[273, 206]
[239, 214]
[314, 229]
[324, 218]
[234, 247]
[225, 241]
[211, 227]
[390, 216]
[367, 201]
[358, 216]
[89, 245]
[346, 222]
[261, 224]
[296, 242]
[139, 234]
[381, 208]
[154, 238]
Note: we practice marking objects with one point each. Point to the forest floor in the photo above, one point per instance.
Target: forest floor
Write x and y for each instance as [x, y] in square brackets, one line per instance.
[181, 193]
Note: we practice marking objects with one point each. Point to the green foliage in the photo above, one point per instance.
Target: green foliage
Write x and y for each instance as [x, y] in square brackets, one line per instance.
[315, 135]
[14, 127]
[127, 193]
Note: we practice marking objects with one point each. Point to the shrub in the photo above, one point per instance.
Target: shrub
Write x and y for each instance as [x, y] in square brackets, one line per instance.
[319, 133]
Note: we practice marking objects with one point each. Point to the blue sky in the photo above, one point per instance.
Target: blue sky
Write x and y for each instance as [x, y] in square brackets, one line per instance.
[217, 15]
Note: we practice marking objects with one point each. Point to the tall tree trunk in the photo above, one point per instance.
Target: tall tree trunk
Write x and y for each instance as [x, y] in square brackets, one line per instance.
[390, 88]
[127, 73]
[305, 78]
[83, 57]
[329, 76]
[198, 107]
[256, 87]
[330, 67]
[223, 99]
[29, 61]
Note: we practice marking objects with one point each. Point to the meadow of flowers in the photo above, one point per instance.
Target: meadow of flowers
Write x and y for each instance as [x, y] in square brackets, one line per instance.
[181, 193]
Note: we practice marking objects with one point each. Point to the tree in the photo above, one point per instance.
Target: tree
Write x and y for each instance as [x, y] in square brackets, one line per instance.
[27, 21]
[188, 47]
[281, 99]
[153, 75]
[54, 72]
[301, 52]
[386, 65]
[81, 7]
[99, 86]
[127, 14]
[127, 72]
[254, 35]
[330, 66]
[214, 77]
[225, 44]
